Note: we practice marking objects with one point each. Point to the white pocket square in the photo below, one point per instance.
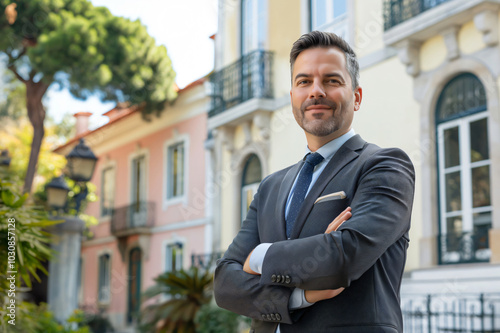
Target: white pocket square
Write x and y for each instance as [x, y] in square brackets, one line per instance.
[332, 196]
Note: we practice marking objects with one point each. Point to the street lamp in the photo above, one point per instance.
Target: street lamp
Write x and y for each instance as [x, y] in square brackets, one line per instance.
[57, 192]
[81, 162]
[4, 159]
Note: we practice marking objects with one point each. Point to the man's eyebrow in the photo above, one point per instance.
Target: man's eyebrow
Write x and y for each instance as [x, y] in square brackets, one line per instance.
[302, 75]
[335, 75]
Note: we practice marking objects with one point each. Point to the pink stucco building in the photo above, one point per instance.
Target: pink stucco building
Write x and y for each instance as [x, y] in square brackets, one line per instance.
[151, 207]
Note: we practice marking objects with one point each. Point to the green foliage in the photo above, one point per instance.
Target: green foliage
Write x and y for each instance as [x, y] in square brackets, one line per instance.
[12, 97]
[88, 50]
[38, 319]
[212, 319]
[187, 291]
[31, 242]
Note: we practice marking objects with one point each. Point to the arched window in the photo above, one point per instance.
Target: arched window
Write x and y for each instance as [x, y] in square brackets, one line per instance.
[464, 171]
[252, 175]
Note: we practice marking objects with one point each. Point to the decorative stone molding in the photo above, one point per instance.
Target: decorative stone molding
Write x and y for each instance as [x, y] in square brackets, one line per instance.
[226, 136]
[487, 22]
[450, 36]
[263, 122]
[409, 54]
[247, 131]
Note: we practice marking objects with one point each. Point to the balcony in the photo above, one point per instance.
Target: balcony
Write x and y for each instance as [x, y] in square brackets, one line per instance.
[452, 312]
[137, 218]
[465, 247]
[398, 11]
[248, 78]
[206, 260]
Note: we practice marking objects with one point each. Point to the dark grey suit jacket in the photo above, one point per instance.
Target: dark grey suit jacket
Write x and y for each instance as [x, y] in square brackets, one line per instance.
[366, 255]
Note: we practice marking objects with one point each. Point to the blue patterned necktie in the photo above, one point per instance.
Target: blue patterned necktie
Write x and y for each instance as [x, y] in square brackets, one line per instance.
[300, 190]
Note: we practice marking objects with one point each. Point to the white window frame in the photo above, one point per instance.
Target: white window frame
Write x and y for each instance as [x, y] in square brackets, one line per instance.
[166, 255]
[108, 280]
[182, 199]
[339, 24]
[253, 188]
[254, 43]
[465, 168]
[139, 153]
[109, 167]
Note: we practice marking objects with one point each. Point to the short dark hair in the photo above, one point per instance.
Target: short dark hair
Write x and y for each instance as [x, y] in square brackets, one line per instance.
[315, 39]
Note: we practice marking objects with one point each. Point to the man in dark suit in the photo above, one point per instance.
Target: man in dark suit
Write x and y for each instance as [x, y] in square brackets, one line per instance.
[291, 268]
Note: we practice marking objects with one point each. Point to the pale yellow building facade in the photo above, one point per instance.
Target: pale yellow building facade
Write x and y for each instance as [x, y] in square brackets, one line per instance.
[430, 73]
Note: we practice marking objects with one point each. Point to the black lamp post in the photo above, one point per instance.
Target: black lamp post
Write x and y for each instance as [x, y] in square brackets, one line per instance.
[4, 159]
[57, 193]
[80, 167]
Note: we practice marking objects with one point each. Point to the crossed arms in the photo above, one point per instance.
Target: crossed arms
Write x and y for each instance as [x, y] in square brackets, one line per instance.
[381, 199]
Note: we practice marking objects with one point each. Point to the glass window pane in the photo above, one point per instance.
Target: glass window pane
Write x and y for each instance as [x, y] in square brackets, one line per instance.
[451, 147]
[453, 233]
[339, 8]
[318, 13]
[453, 193]
[482, 224]
[479, 149]
[481, 186]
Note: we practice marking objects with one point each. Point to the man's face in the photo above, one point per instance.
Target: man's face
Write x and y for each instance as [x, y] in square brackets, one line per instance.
[323, 100]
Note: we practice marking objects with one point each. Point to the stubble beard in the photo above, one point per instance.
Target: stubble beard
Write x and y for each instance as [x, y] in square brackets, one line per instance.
[319, 127]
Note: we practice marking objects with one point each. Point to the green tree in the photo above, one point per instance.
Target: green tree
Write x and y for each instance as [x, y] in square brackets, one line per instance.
[83, 48]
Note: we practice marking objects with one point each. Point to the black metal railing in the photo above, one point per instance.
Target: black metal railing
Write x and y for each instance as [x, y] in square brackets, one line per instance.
[206, 260]
[249, 77]
[134, 216]
[465, 247]
[456, 312]
[398, 11]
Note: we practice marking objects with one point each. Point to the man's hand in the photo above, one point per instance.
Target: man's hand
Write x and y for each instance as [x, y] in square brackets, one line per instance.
[341, 218]
[246, 266]
[313, 296]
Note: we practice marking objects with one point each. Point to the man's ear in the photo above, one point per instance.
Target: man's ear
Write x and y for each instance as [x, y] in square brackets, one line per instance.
[358, 96]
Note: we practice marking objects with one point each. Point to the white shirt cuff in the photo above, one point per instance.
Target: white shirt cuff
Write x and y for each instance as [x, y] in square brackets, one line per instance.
[257, 257]
[298, 300]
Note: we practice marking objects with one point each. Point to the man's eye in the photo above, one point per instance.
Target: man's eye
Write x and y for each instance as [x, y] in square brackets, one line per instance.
[302, 82]
[334, 81]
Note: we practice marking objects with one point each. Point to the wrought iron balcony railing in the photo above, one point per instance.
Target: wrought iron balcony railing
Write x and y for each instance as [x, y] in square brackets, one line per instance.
[132, 218]
[453, 312]
[249, 77]
[465, 247]
[206, 260]
[398, 11]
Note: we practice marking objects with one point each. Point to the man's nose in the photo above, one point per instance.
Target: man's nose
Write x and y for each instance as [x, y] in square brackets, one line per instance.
[317, 90]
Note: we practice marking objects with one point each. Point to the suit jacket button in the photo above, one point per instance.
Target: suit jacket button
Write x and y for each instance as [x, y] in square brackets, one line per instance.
[278, 317]
[273, 278]
[287, 279]
[269, 317]
[278, 278]
[273, 316]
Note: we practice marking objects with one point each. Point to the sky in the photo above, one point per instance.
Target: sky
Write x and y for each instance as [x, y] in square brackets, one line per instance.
[183, 26]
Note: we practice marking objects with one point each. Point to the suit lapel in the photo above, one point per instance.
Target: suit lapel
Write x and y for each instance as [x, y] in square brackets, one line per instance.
[286, 186]
[343, 156]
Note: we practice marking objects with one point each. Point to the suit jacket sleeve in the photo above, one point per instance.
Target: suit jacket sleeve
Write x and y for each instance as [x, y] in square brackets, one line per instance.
[381, 208]
[241, 292]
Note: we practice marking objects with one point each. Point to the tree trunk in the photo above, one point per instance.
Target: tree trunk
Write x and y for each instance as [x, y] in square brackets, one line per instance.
[36, 115]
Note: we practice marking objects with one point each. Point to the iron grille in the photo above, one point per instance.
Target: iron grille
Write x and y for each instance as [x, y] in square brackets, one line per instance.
[136, 215]
[206, 260]
[451, 313]
[465, 247]
[249, 77]
[398, 11]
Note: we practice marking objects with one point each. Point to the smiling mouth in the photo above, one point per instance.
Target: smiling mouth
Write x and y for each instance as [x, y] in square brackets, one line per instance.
[318, 107]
